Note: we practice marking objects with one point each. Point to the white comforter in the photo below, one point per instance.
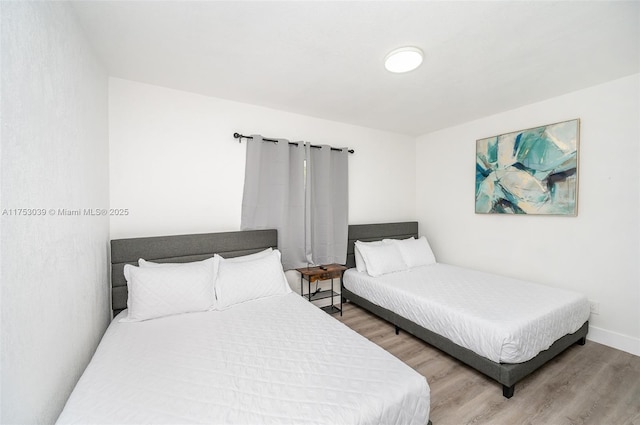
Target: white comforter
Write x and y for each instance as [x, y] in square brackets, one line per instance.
[503, 319]
[274, 360]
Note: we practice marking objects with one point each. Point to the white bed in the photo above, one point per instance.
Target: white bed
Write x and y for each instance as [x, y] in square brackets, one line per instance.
[505, 328]
[503, 319]
[273, 359]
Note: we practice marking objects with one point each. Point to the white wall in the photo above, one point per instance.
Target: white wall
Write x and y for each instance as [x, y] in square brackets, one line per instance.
[177, 169]
[596, 253]
[54, 270]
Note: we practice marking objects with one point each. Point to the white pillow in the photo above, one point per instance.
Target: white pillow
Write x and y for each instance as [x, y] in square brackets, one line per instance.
[381, 258]
[361, 266]
[166, 290]
[250, 257]
[149, 264]
[238, 282]
[416, 252]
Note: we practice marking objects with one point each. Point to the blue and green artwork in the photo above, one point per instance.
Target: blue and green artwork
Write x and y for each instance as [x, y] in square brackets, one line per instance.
[532, 171]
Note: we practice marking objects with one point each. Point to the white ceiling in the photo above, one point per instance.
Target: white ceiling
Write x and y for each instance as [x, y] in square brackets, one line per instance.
[325, 59]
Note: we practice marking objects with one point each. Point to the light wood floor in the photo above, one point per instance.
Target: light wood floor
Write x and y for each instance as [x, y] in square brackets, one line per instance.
[590, 384]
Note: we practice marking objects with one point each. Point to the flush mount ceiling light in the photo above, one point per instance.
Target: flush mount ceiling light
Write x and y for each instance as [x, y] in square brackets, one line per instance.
[404, 59]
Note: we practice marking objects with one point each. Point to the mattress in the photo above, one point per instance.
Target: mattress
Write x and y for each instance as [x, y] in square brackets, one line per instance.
[274, 360]
[503, 319]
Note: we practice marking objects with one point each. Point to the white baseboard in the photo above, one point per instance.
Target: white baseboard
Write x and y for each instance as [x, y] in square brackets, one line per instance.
[614, 340]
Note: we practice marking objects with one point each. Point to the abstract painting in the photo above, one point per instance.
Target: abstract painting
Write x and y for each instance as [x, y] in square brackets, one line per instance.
[532, 171]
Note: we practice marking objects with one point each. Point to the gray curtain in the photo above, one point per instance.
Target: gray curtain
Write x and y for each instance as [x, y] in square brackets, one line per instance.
[327, 200]
[274, 195]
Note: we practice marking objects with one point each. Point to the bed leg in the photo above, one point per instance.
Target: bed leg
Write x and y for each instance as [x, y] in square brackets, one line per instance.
[507, 392]
[582, 341]
[397, 330]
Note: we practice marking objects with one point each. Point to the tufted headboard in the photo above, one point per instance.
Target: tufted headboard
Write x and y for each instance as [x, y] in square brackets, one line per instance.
[180, 249]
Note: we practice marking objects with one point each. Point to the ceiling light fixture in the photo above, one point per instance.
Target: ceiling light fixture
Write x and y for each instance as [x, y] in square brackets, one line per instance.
[404, 59]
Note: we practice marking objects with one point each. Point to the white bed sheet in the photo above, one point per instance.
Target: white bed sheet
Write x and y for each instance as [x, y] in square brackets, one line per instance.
[503, 319]
[274, 360]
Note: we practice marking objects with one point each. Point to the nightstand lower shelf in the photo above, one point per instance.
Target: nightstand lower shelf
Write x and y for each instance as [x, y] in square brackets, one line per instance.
[331, 309]
[321, 295]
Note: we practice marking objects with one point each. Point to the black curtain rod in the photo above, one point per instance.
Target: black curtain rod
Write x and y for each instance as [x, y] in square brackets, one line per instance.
[240, 136]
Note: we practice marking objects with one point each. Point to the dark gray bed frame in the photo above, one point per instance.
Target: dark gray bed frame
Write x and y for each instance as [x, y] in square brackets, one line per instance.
[508, 374]
[180, 249]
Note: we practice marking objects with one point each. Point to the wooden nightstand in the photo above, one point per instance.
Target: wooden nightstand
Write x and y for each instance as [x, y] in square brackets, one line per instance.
[324, 272]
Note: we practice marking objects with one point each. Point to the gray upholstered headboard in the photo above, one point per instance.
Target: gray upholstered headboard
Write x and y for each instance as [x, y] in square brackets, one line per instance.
[180, 249]
[377, 232]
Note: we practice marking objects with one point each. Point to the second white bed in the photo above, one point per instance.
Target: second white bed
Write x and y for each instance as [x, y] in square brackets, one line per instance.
[272, 360]
[503, 319]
